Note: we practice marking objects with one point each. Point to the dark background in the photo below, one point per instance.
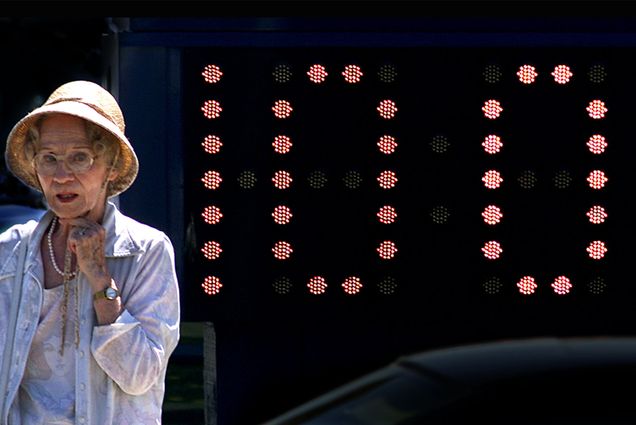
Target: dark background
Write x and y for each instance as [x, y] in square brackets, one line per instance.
[38, 55]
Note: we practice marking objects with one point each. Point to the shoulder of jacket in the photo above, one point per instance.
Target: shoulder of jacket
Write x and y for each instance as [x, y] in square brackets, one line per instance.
[16, 232]
[132, 236]
[9, 240]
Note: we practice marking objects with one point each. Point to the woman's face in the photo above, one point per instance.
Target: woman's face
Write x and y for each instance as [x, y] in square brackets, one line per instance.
[71, 194]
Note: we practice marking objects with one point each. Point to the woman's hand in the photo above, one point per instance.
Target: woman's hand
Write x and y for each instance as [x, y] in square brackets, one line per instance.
[86, 240]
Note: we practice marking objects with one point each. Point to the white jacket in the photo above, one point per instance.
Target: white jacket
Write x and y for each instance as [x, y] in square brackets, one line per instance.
[120, 368]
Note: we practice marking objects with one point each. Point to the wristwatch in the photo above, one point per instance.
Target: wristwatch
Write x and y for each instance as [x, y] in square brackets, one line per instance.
[109, 293]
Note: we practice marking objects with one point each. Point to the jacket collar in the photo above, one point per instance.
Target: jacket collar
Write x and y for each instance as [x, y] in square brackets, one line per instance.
[119, 242]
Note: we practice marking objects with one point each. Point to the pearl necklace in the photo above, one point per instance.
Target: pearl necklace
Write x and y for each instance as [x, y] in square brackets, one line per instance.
[50, 244]
[67, 275]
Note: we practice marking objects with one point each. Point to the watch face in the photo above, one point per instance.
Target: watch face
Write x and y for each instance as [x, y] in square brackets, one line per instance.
[110, 293]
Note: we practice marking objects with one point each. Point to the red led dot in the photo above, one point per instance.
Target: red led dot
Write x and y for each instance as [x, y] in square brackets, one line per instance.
[352, 285]
[597, 144]
[596, 109]
[526, 285]
[317, 74]
[387, 214]
[596, 250]
[387, 250]
[211, 285]
[212, 144]
[527, 74]
[211, 109]
[387, 109]
[352, 74]
[212, 214]
[282, 109]
[282, 180]
[561, 285]
[492, 214]
[597, 179]
[317, 285]
[492, 179]
[282, 214]
[492, 109]
[211, 250]
[492, 144]
[212, 180]
[596, 214]
[562, 74]
[387, 179]
[387, 144]
[492, 250]
[282, 250]
[212, 74]
[282, 144]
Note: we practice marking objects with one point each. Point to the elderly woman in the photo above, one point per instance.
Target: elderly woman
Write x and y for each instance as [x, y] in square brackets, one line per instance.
[89, 299]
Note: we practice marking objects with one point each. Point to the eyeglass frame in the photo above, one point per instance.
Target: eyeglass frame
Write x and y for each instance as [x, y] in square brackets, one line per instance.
[61, 159]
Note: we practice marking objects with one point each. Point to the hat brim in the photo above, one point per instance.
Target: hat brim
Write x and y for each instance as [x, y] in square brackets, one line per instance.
[20, 166]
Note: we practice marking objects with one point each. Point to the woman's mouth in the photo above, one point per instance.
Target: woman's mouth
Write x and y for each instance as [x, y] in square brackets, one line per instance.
[66, 197]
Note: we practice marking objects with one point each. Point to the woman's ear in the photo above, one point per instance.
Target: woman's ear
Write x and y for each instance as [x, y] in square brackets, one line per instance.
[112, 174]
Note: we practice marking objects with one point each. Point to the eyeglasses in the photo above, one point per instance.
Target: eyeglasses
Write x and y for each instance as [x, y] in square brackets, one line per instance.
[77, 162]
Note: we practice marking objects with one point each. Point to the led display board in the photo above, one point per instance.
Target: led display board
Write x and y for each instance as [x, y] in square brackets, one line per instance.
[347, 205]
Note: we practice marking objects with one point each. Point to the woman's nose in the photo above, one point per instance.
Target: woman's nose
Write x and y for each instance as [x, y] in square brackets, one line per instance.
[62, 172]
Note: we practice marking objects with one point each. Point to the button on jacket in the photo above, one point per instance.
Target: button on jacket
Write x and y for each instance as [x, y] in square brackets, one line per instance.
[121, 367]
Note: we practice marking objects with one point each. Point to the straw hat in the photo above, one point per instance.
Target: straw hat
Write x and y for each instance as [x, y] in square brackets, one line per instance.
[85, 100]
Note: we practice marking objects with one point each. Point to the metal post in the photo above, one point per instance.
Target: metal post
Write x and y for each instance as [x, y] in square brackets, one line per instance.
[209, 374]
